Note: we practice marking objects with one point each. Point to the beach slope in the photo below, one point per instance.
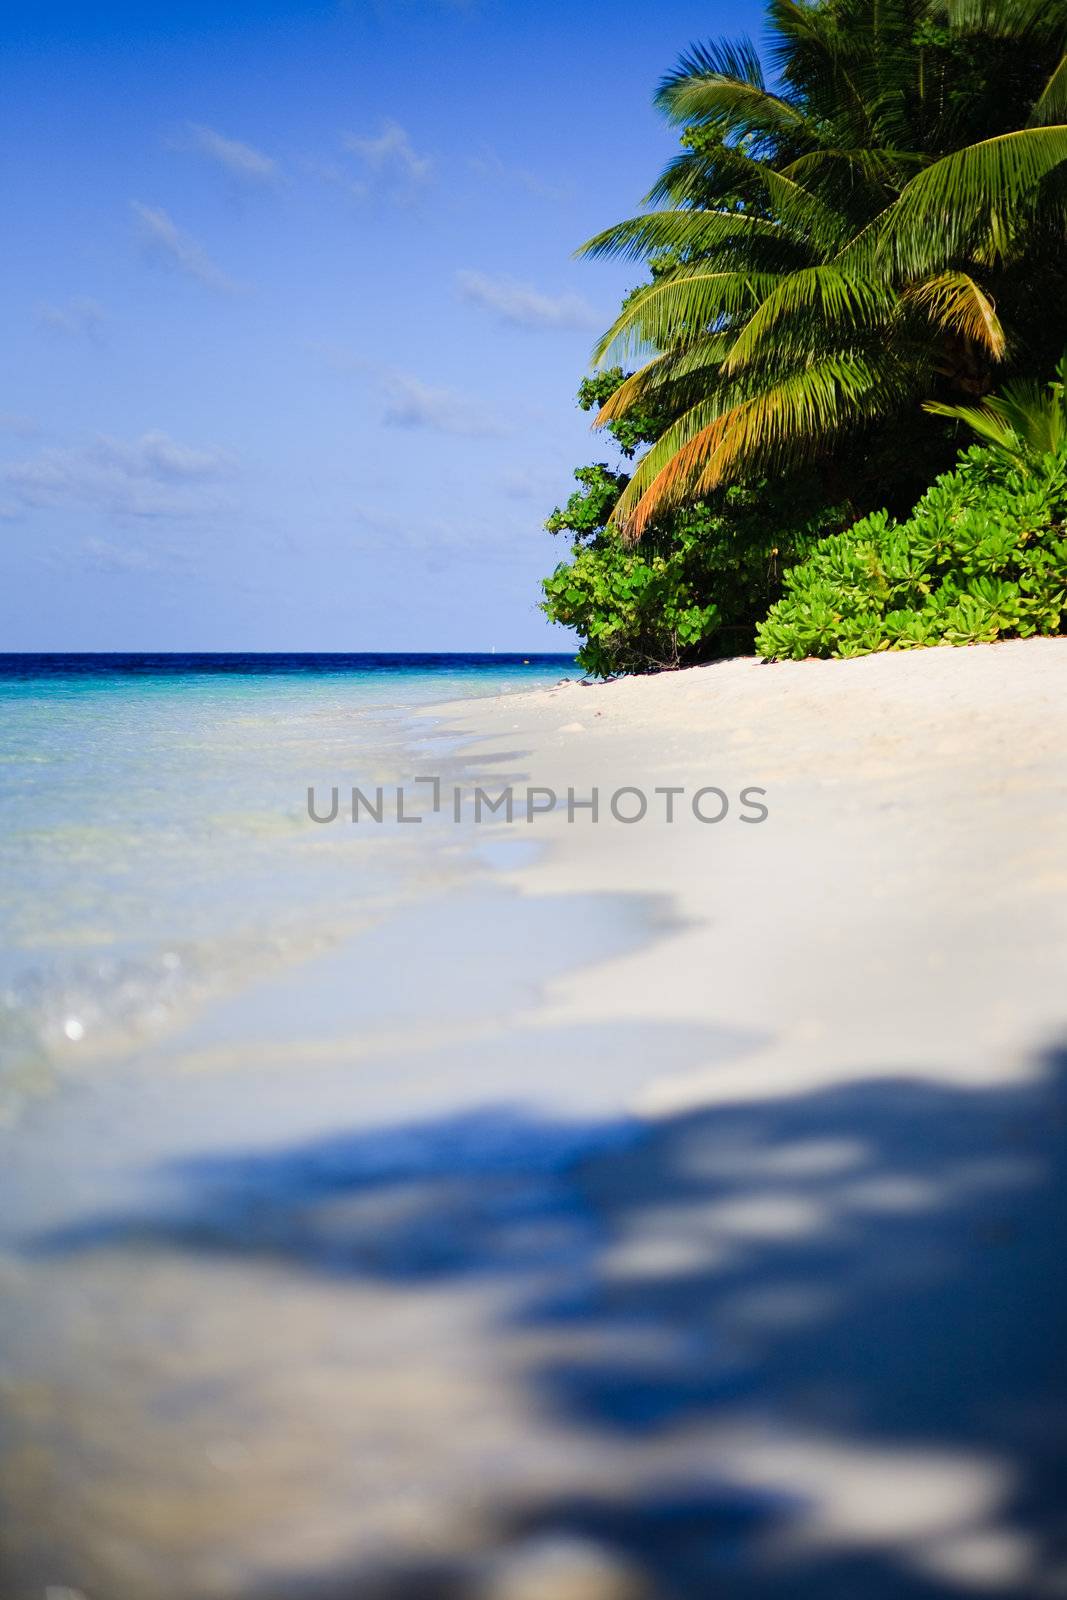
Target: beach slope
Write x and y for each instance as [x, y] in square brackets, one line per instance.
[902, 907]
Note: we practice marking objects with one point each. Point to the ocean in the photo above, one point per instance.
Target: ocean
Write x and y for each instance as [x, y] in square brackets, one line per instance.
[155, 847]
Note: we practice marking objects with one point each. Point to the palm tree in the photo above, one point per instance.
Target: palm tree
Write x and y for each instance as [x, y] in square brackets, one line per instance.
[883, 224]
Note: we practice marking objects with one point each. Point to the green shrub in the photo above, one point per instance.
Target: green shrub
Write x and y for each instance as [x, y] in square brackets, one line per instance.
[691, 590]
[983, 556]
[635, 609]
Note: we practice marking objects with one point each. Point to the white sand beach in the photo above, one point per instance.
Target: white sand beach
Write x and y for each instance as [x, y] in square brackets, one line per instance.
[647, 1210]
[901, 910]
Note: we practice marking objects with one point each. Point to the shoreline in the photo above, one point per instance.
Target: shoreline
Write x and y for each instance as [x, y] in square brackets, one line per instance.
[683, 1176]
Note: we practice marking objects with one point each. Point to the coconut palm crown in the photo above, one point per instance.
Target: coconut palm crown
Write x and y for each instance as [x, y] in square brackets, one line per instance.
[878, 221]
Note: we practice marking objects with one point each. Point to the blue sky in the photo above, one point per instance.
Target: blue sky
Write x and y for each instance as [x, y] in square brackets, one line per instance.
[292, 324]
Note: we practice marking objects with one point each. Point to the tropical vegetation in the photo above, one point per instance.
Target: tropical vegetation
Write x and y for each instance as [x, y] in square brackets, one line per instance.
[982, 557]
[702, 575]
[862, 237]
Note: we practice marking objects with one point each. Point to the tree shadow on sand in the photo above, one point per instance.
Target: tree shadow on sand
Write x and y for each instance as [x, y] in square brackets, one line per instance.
[822, 1336]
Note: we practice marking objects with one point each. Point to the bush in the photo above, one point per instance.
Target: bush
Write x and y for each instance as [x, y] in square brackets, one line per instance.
[691, 590]
[983, 556]
[635, 609]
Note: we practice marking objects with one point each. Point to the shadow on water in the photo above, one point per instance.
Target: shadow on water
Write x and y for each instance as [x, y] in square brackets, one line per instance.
[822, 1336]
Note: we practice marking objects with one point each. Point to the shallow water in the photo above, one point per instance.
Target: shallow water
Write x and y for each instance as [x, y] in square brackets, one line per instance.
[155, 847]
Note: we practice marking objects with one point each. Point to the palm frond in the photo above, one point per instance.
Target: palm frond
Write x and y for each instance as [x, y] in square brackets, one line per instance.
[953, 300]
[708, 178]
[668, 372]
[1003, 19]
[680, 230]
[774, 426]
[984, 420]
[802, 211]
[658, 458]
[839, 299]
[684, 305]
[879, 167]
[734, 106]
[973, 196]
[1025, 418]
[822, 62]
[815, 402]
[1051, 104]
[727, 58]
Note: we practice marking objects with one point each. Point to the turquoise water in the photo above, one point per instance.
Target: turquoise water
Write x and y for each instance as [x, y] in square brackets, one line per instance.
[154, 840]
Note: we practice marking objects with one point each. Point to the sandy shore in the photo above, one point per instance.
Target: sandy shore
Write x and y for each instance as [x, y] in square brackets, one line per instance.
[902, 910]
[649, 1211]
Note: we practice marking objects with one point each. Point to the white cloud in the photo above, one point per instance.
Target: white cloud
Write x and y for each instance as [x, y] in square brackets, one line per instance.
[156, 455]
[166, 242]
[410, 403]
[152, 476]
[391, 162]
[240, 160]
[78, 316]
[330, 172]
[524, 306]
